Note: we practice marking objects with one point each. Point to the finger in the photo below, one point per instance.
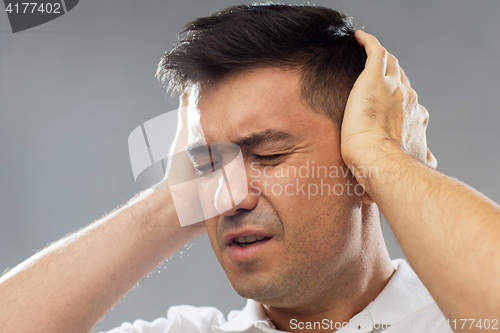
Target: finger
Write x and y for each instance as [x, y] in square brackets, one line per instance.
[430, 160]
[376, 61]
[425, 114]
[404, 78]
[184, 100]
[184, 97]
[392, 67]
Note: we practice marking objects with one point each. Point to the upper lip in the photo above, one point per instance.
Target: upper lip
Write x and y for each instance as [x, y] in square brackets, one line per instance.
[231, 235]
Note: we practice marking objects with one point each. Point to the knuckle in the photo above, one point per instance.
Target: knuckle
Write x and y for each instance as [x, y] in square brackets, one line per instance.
[399, 93]
[426, 121]
[374, 39]
[403, 75]
[393, 58]
[425, 115]
[412, 95]
[382, 52]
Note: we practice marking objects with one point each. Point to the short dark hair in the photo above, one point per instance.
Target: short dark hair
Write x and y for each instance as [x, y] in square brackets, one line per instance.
[316, 40]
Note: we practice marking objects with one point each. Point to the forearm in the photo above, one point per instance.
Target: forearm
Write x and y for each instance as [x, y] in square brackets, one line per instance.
[71, 284]
[449, 232]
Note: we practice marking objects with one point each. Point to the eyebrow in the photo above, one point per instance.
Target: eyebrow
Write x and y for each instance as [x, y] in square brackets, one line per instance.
[268, 136]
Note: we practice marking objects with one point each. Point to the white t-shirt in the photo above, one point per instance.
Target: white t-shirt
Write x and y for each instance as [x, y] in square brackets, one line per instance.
[404, 305]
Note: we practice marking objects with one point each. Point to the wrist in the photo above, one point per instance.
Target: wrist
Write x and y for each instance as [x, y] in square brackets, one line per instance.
[155, 214]
[370, 160]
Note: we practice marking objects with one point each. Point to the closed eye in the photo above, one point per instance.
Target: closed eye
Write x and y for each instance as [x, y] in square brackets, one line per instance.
[267, 157]
[274, 159]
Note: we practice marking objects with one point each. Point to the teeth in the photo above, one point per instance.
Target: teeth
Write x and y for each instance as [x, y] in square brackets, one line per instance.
[249, 239]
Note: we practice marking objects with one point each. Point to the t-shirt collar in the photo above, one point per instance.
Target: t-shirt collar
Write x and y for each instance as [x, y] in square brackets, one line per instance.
[252, 315]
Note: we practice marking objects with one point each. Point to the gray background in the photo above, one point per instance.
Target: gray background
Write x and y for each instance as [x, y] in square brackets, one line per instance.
[73, 89]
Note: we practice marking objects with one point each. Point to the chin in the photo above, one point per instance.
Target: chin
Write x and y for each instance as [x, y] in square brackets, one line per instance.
[263, 289]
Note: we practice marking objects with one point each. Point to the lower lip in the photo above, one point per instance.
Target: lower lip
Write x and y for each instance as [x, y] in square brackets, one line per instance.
[242, 253]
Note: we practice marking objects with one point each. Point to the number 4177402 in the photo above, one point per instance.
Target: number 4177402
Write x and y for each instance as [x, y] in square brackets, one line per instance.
[463, 324]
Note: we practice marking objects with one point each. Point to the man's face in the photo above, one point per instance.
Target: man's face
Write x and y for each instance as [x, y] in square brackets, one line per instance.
[301, 206]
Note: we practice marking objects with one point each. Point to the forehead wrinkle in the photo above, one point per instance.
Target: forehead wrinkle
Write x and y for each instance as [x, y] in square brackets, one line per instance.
[264, 137]
[250, 100]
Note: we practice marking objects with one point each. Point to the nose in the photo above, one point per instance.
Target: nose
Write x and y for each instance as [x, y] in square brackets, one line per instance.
[226, 204]
[232, 193]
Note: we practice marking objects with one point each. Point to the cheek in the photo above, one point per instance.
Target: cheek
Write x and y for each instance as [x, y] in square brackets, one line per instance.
[211, 225]
[319, 236]
[315, 208]
[303, 189]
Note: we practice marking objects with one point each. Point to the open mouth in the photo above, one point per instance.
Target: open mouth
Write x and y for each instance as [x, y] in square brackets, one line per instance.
[245, 241]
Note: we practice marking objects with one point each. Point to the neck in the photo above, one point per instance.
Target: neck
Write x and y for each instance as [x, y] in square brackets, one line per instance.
[359, 283]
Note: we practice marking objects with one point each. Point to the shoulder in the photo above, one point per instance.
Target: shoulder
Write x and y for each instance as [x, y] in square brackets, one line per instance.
[181, 318]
